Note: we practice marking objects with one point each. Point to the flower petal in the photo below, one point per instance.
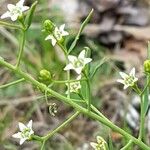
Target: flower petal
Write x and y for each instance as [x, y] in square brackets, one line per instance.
[14, 17]
[82, 54]
[123, 75]
[22, 140]
[69, 67]
[61, 28]
[94, 145]
[87, 60]
[17, 135]
[49, 37]
[22, 126]
[78, 70]
[121, 81]
[29, 125]
[125, 86]
[6, 15]
[132, 72]
[11, 7]
[72, 58]
[24, 8]
[20, 3]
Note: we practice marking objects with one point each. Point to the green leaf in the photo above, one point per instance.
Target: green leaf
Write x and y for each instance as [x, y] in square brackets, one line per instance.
[29, 17]
[97, 66]
[145, 97]
[85, 22]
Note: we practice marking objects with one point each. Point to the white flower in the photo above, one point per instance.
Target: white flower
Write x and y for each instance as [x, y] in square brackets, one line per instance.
[14, 11]
[77, 63]
[128, 80]
[74, 86]
[58, 34]
[100, 145]
[26, 132]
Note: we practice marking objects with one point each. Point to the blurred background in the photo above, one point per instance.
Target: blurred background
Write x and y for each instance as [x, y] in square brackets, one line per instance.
[119, 30]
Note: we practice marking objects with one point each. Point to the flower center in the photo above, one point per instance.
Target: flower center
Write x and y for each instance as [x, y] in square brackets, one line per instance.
[26, 133]
[129, 80]
[78, 63]
[58, 35]
[16, 10]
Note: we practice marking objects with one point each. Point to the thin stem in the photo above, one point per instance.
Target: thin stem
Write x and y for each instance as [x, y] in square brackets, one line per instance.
[142, 120]
[66, 81]
[88, 90]
[147, 84]
[5, 24]
[136, 89]
[43, 145]
[126, 147]
[92, 107]
[12, 83]
[61, 126]
[21, 48]
[75, 105]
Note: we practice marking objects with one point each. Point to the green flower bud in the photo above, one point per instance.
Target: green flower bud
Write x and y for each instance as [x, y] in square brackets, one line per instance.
[45, 75]
[49, 26]
[147, 66]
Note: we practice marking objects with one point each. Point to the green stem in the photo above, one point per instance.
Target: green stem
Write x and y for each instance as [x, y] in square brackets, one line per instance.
[147, 84]
[66, 81]
[36, 138]
[21, 48]
[136, 89]
[92, 107]
[75, 105]
[5, 24]
[61, 126]
[88, 90]
[126, 147]
[43, 145]
[12, 83]
[142, 121]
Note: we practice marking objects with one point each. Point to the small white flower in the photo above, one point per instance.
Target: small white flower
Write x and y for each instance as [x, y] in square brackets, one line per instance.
[14, 11]
[26, 132]
[100, 145]
[77, 63]
[128, 80]
[58, 34]
[74, 86]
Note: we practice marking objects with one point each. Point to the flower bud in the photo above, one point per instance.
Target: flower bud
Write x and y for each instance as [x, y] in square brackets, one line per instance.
[147, 66]
[45, 75]
[48, 26]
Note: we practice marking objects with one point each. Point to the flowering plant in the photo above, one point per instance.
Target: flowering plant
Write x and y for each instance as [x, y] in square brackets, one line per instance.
[81, 65]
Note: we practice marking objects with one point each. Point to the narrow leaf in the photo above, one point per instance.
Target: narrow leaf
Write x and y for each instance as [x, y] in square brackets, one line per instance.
[80, 31]
[95, 69]
[30, 14]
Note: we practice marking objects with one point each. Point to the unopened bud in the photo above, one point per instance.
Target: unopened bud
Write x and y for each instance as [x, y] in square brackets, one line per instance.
[45, 75]
[147, 66]
[48, 26]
